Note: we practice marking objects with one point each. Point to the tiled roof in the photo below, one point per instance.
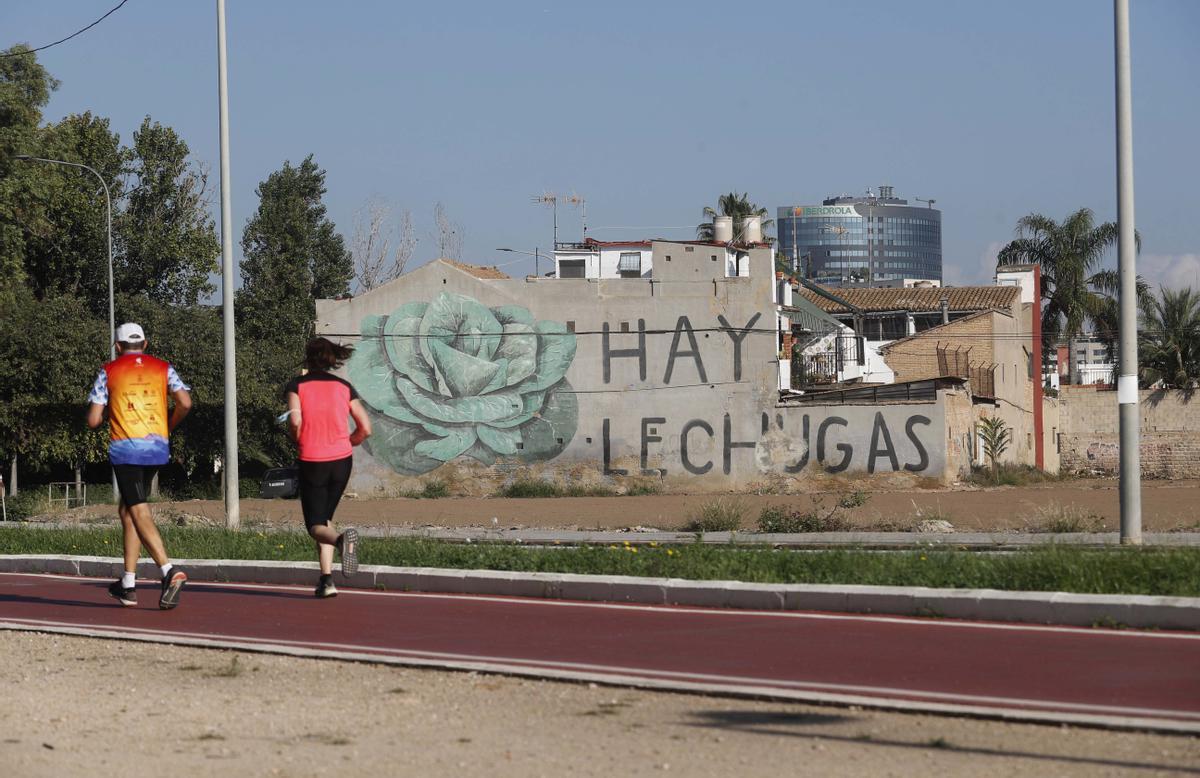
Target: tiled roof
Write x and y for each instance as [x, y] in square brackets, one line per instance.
[478, 271]
[917, 299]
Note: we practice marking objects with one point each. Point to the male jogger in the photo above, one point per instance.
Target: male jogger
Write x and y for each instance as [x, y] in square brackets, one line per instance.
[135, 387]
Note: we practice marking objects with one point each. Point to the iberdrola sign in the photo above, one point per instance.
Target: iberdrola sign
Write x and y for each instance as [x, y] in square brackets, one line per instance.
[825, 210]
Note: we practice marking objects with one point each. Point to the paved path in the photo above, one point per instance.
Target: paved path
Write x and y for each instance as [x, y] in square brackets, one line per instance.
[1122, 678]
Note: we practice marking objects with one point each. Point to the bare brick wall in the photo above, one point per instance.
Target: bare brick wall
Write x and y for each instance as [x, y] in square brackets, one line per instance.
[915, 358]
[1170, 432]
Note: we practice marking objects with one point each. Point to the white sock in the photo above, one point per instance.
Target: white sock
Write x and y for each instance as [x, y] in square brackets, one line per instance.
[166, 569]
[128, 580]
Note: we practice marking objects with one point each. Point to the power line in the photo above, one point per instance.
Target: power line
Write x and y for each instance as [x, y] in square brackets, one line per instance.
[69, 37]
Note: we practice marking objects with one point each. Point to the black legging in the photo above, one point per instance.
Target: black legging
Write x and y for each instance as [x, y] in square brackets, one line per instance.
[321, 486]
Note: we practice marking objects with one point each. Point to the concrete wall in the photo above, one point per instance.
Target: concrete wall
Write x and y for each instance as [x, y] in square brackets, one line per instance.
[1170, 432]
[474, 380]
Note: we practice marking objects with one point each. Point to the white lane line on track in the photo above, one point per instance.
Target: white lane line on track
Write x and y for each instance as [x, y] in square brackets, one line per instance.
[681, 609]
[1137, 723]
[738, 680]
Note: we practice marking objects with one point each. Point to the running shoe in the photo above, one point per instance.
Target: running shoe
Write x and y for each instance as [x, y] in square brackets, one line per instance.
[325, 587]
[172, 585]
[349, 549]
[127, 597]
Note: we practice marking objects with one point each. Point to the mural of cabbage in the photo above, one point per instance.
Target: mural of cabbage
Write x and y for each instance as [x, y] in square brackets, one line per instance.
[453, 377]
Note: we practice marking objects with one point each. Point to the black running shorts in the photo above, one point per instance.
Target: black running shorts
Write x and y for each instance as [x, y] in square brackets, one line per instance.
[321, 486]
[133, 482]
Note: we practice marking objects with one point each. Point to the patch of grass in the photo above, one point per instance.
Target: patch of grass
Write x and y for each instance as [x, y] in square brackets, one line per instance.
[528, 487]
[939, 742]
[818, 518]
[721, 515]
[1163, 571]
[430, 490]
[642, 487]
[1008, 474]
[1059, 518]
[210, 736]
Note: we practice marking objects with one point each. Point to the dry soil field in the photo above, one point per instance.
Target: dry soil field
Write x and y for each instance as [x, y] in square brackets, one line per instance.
[78, 706]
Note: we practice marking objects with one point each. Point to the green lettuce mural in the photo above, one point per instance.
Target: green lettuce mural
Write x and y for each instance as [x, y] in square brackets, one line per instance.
[453, 377]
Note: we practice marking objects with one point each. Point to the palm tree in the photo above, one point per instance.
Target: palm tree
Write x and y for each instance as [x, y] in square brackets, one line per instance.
[996, 437]
[1074, 288]
[733, 204]
[1169, 339]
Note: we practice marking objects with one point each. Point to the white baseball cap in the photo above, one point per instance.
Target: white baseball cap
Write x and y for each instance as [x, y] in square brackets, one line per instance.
[130, 333]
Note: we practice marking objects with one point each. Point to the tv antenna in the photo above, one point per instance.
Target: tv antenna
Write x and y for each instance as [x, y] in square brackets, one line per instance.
[923, 200]
[579, 202]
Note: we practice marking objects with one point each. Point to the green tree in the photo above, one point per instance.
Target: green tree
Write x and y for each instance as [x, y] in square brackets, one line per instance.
[292, 256]
[1169, 339]
[1074, 286]
[25, 88]
[736, 205]
[45, 378]
[168, 242]
[65, 240]
[996, 439]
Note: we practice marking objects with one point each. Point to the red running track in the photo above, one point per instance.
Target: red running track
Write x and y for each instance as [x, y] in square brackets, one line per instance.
[1026, 672]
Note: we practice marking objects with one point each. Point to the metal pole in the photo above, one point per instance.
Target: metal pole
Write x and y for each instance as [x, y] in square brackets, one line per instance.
[232, 506]
[1127, 386]
[536, 272]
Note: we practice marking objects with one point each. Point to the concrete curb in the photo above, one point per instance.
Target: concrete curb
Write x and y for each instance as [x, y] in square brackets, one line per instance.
[1057, 608]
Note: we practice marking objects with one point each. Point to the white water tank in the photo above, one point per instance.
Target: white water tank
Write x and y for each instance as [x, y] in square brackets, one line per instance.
[723, 229]
[752, 229]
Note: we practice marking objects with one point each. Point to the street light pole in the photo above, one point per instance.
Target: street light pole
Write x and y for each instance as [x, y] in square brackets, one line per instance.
[1127, 387]
[536, 254]
[112, 320]
[232, 504]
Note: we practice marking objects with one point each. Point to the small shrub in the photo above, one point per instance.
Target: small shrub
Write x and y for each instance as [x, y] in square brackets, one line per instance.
[1008, 474]
[528, 487]
[722, 515]
[430, 490]
[1057, 518]
[778, 518]
[642, 487]
[587, 490]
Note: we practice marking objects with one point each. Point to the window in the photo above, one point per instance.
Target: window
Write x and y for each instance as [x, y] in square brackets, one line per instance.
[630, 264]
[572, 268]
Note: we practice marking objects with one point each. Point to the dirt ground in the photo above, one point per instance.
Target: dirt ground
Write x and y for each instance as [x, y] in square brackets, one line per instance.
[1090, 504]
[80, 706]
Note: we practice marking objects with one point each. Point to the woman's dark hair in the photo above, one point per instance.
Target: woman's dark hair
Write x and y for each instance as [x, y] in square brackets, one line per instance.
[324, 354]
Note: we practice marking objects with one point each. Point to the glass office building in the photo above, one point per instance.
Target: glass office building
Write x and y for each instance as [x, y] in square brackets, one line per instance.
[875, 238]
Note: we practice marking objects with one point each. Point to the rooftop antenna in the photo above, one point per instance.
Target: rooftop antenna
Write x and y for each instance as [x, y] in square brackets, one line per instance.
[923, 200]
[550, 199]
[579, 202]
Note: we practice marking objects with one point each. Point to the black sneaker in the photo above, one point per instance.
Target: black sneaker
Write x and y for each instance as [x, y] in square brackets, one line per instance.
[348, 546]
[127, 597]
[172, 585]
[325, 587]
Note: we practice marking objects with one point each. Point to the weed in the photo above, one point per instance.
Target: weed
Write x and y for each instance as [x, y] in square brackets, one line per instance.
[190, 668]
[524, 487]
[641, 487]
[430, 490]
[1058, 518]
[233, 671]
[721, 515]
[939, 742]
[777, 518]
[398, 690]
[1008, 474]
[210, 736]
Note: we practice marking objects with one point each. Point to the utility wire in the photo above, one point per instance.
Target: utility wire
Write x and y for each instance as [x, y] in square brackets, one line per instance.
[69, 37]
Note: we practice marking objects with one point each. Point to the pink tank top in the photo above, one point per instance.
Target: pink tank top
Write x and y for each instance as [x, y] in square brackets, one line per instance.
[325, 416]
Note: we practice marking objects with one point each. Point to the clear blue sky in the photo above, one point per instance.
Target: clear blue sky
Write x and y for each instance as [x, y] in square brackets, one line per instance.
[650, 110]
